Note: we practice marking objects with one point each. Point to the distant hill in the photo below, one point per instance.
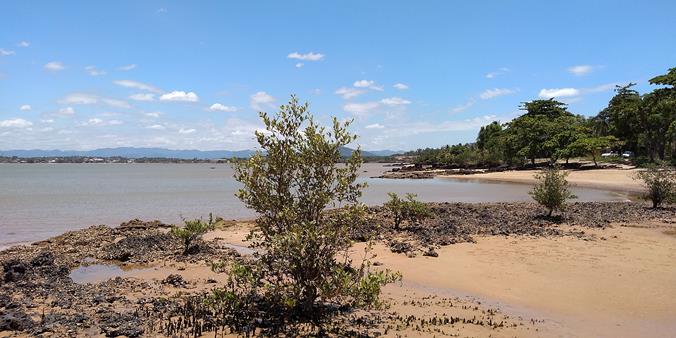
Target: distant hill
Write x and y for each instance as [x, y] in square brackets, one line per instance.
[132, 152]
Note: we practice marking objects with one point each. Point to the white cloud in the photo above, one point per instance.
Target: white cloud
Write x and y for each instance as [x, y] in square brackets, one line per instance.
[375, 126]
[97, 122]
[84, 98]
[153, 114]
[492, 93]
[4, 52]
[463, 107]
[261, 99]
[143, 97]
[348, 93]
[558, 92]
[580, 70]
[93, 71]
[24, 44]
[79, 98]
[602, 88]
[127, 67]
[25, 107]
[156, 127]
[186, 131]
[497, 73]
[54, 66]
[306, 57]
[221, 107]
[359, 109]
[67, 111]
[47, 120]
[400, 86]
[395, 101]
[16, 123]
[138, 85]
[299, 65]
[179, 95]
[367, 84]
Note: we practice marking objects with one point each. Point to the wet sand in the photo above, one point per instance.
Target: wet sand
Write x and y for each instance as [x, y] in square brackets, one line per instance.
[620, 180]
[619, 285]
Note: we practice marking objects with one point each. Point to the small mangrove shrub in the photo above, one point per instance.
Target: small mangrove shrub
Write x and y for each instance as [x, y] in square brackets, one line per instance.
[301, 271]
[406, 209]
[192, 231]
[551, 189]
[660, 183]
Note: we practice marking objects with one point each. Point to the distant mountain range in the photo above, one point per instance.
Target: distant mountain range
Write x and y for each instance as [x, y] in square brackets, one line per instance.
[131, 152]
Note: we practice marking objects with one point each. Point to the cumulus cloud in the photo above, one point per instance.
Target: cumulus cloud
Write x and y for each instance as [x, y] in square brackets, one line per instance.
[348, 93]
[54, 66]
[558, 92]
[156, 127]
[186, 131]
[375, 126]
[152, 114]
[306, 57]
[143, 97]
[138, 85]
[360, 109]
[400, 86]
[25, 107]
[179, 95]
[93, 71]
[580, 70]
[16, 123]
[221, 107]
[395, 101]
[97, 122]
[497, 73]
[5, 52]
[260, 100]
[127, 67]
[67, 111]
[84, 98]
[367, 84]
[492, 93]
[24, 44]
[462, 107]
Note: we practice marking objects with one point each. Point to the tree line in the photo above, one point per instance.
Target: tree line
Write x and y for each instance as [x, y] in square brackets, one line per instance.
[644, 125]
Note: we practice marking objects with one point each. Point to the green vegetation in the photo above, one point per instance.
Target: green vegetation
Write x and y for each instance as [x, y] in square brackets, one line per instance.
[661, 184]
[551, 190]
[644, 125]
[192, 231]
[302, 271]
[406, 209]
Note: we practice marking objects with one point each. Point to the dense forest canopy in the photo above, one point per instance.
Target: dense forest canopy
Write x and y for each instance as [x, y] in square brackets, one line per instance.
[644, 125]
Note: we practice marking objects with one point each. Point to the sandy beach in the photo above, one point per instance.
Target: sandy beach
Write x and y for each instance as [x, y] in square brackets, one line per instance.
[497, 275]
[620, 180]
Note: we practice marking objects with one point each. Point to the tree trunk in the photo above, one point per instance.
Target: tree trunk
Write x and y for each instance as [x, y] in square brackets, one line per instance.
[550, 212]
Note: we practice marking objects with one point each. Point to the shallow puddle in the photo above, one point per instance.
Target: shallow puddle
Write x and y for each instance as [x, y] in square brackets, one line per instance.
[97, 273]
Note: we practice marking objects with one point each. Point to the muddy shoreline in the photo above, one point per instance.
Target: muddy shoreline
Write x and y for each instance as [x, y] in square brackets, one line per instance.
[39, 295]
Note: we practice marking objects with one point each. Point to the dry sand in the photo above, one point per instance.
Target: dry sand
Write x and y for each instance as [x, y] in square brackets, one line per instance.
[607, 179]
[624, 286]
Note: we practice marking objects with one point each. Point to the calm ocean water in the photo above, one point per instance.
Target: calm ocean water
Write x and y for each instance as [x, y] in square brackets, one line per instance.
[38, 201]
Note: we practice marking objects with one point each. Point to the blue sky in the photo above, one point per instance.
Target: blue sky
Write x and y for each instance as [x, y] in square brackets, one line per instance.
[191, 75]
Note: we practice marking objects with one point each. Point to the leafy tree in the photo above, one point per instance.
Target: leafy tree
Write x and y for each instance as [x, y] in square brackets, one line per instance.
[490, 142]
[192, 231]
[551, 190]
[592, 146]
[406, 209]
[660, 182]
[291, 183]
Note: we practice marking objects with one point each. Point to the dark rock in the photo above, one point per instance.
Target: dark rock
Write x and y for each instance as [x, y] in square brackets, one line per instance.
[175, 280]
[15, 321]
[431, 253]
